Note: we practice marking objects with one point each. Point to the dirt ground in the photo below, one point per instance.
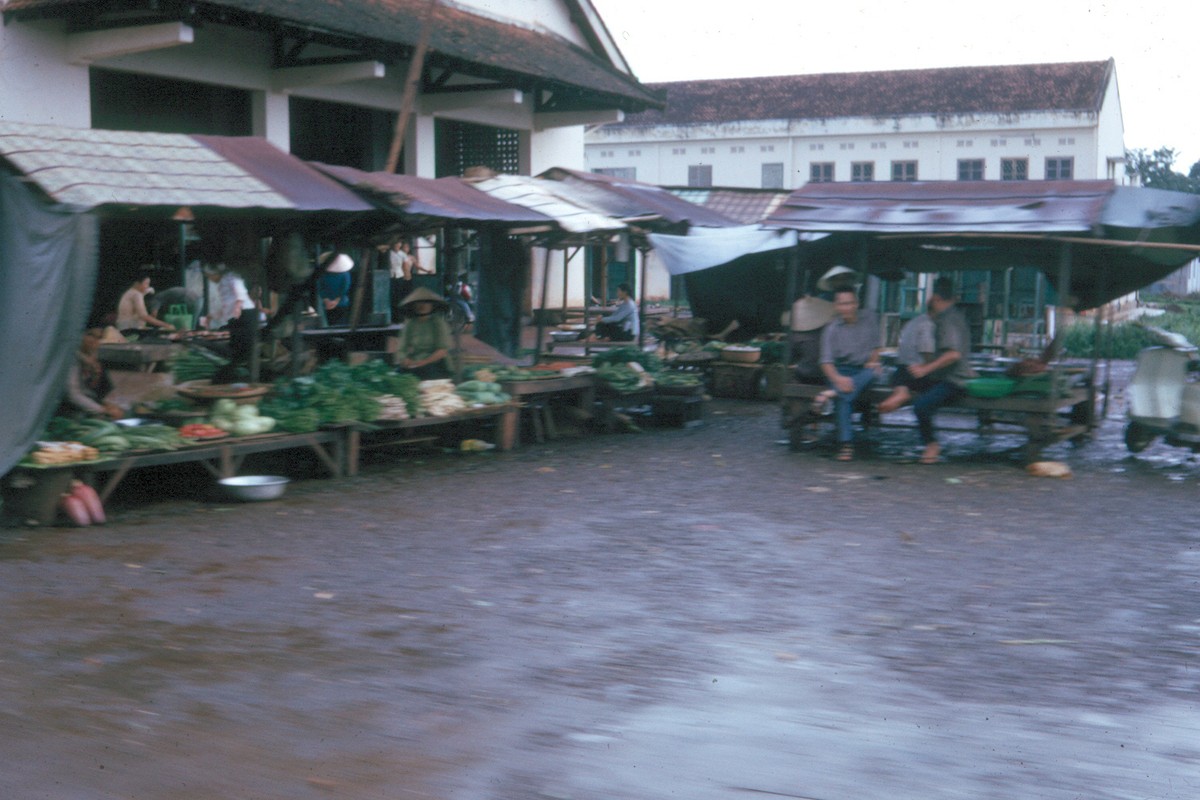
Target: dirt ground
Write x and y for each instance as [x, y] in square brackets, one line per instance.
[679, 613]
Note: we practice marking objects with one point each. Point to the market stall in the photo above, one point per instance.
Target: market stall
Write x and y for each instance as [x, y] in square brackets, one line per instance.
[1094, 241]
[61, 187]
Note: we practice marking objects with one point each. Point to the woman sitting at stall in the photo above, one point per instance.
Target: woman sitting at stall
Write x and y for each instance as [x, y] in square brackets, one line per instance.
[333, 287]
[425, 341]
[132, 314]
[622, 324]
[88, 383]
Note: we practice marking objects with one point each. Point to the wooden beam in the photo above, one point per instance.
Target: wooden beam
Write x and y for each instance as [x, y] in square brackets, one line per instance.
[567, 119]
[283, 80]
[457, 101]
[85, 48]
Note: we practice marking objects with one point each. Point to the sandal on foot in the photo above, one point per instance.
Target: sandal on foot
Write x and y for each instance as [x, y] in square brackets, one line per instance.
[931, 455]
[845, 453]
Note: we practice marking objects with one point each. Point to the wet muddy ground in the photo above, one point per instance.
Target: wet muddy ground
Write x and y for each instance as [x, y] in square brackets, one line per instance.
[681, 613]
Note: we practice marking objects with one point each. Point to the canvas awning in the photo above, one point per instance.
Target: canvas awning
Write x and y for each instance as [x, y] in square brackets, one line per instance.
[1116, 239]
[704, 248]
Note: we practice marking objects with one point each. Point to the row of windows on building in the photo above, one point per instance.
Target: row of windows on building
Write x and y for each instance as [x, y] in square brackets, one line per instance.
[969, 169]
[908, 144]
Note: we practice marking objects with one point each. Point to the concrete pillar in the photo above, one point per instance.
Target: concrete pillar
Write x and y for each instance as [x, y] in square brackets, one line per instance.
[270, 118]
[420, 148]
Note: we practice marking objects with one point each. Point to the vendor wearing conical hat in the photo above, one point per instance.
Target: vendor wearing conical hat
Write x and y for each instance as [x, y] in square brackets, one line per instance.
[425, 341]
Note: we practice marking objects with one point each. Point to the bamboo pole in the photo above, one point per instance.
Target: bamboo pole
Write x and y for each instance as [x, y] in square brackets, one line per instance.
[415, 66]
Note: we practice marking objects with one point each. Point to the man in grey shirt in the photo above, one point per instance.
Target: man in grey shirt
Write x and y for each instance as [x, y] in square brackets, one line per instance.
[950, 368]
[850, 361]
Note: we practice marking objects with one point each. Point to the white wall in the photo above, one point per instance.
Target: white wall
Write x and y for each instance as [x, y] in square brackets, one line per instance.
[549, 15]
[33, 68]
[737, 150]
[55, 93]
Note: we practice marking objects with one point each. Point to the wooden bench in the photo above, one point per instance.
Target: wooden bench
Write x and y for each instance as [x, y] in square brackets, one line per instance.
[1044, 420]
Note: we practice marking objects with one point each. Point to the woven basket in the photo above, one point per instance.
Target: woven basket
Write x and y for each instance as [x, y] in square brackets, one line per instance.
[747, 356]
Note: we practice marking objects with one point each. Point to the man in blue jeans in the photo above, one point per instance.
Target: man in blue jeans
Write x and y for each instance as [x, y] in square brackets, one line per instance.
[949, 370]
[849, 360]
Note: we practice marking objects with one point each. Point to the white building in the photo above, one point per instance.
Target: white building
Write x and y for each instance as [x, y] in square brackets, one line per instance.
[510, 82]
[1037, 121]
[507, 84]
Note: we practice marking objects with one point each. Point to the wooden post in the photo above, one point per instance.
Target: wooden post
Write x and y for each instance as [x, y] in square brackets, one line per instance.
[1097, 335]
[566, 279]
[541, 326]
[1060, 312]
[361, 268]
[793, 269]
[642, 296]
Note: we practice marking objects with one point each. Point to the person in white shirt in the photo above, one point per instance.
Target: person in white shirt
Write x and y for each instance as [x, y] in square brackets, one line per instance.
[235, 310]
[622, 324]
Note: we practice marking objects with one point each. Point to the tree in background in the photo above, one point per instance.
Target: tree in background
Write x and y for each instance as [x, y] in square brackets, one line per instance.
[1156, 170]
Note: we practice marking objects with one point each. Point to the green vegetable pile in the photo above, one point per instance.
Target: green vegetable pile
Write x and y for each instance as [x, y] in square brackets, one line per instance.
[482, 393]
[625, 355]
[108, 437]
[679, 380]
[240, 420]
[622, 378]
[196, 363]
[337, 392]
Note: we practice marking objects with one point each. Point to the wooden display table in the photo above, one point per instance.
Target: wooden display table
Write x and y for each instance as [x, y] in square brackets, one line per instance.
[731, 379]
[138, 355]
[393, 432]
[221, 458]
[536, 396]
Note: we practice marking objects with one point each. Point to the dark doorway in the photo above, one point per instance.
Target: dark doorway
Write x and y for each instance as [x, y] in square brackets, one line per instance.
[126, 101]
[336, 133]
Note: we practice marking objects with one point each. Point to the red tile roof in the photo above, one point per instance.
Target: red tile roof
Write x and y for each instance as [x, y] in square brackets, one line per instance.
[387, 29]
[955, 90]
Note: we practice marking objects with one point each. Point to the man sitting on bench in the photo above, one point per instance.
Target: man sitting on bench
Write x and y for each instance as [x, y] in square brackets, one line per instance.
[850, 361]
[950, 369]
[916, 346]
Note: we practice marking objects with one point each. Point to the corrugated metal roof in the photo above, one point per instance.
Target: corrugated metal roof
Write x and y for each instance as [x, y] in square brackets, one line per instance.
[547, 198]
[91, 168]
[945, 207]
[630, 200]
[1118, 239]
[448, 199]
[306, 188]
[747, 206]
